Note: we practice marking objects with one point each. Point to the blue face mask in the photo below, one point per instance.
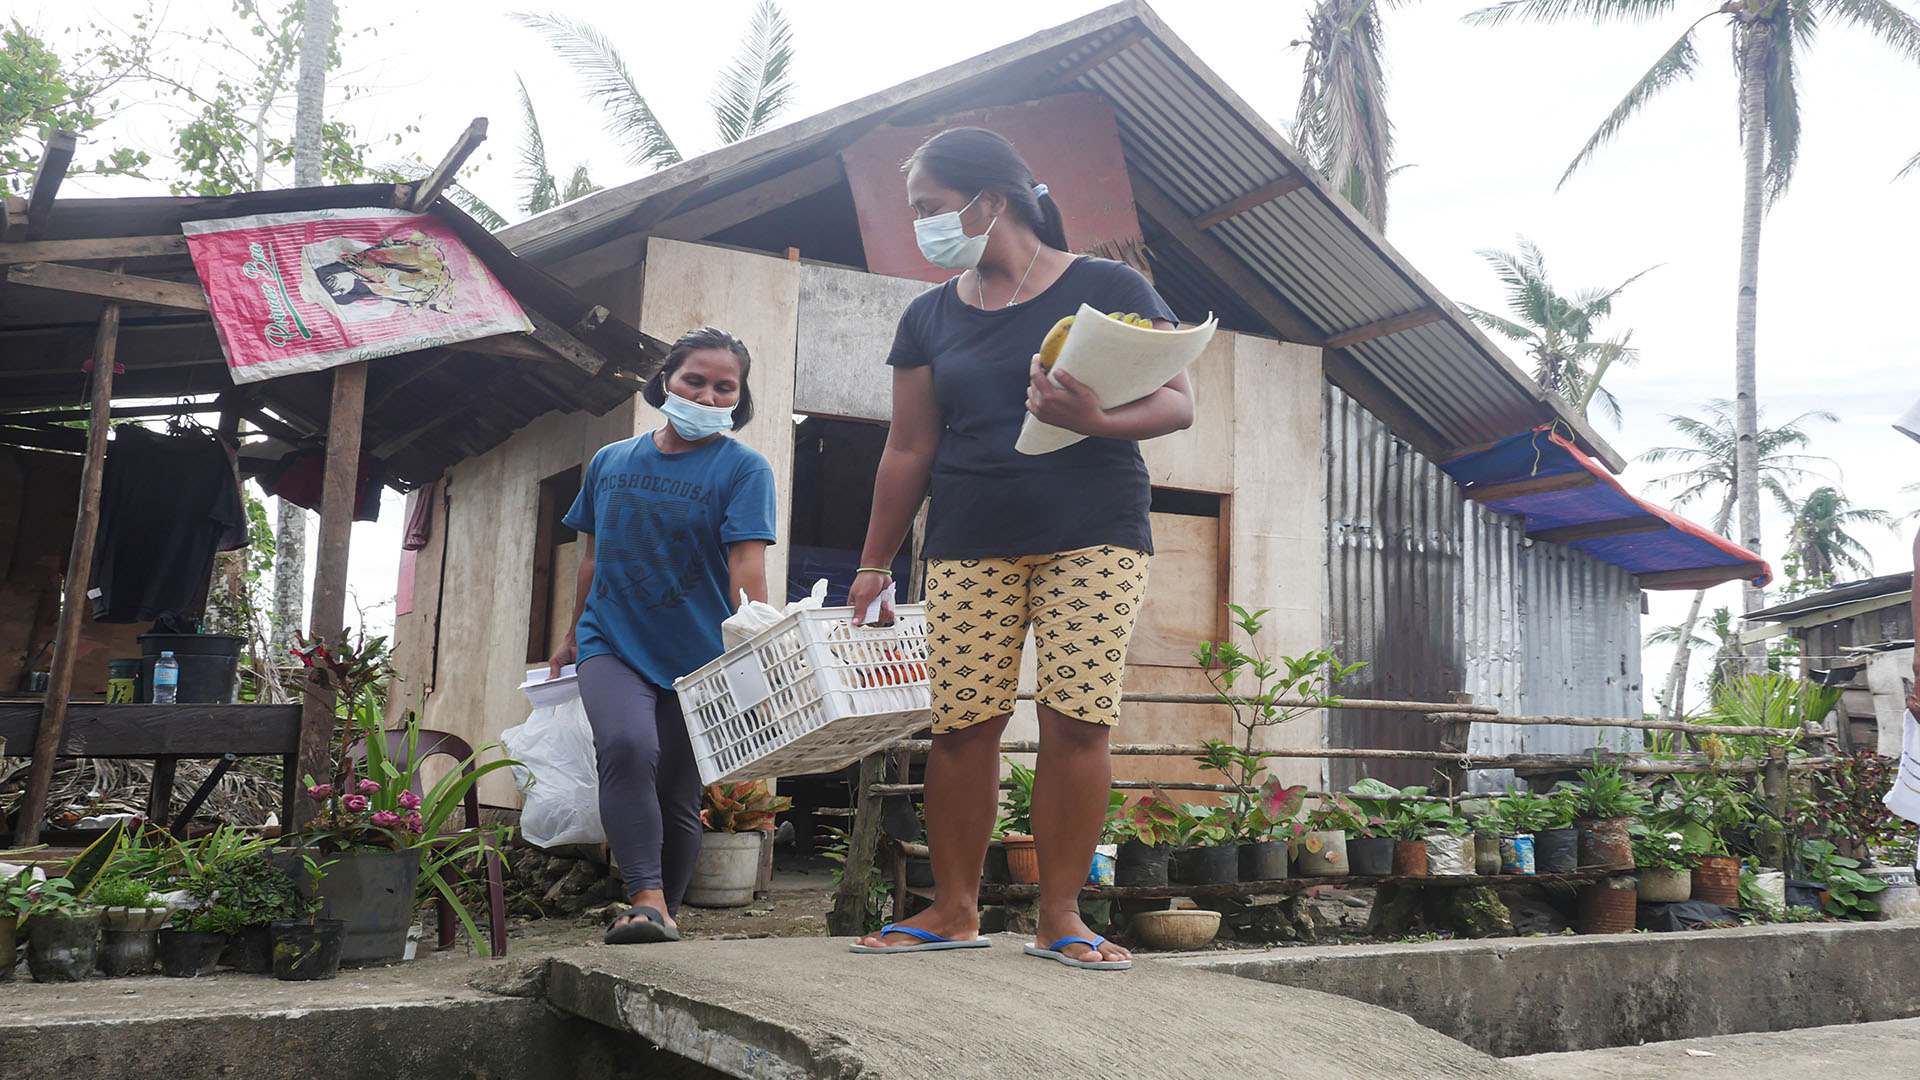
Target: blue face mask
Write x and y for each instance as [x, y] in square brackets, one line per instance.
[695, 421]
[946, 244]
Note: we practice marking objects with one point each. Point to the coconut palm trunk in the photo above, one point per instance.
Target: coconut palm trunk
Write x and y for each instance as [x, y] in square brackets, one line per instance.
[1746, 418]
[1673, 703]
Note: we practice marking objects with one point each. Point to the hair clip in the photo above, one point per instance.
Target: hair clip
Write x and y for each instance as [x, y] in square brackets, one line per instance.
[1039, 190]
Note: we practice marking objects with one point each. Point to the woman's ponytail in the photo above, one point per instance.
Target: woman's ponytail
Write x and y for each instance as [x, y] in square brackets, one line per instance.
[1051, 228]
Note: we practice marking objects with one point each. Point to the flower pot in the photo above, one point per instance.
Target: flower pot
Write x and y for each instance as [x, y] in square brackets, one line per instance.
[1370, 856]
[304, 951]
[994, 871]
[1604, 842]
[1139, 865]
[725, 870]
[63, 948]
[9, 946]
[1264, 861]
[1486, 854]
[1716, 879]
[372, 892]
[1023, 862]
[187, 954]
[208, 663]
[126, 919]
[1185, 929]
[1322, 854]
[1449, 854]
[1517, 855]
[1409, 858]
[1665, 885]
[127, 942]
[1205, 865]
[1901, 898]
[1607, 909]
[250, 950]
[1556, 851]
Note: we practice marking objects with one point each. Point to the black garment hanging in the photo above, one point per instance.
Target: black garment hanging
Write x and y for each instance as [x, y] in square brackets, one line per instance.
[168, 503]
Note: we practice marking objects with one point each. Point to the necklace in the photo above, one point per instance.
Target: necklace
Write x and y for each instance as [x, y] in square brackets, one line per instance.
[980, 283]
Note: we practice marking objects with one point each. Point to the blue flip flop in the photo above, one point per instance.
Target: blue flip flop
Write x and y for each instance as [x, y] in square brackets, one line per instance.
[1052, 952]
[929, 941]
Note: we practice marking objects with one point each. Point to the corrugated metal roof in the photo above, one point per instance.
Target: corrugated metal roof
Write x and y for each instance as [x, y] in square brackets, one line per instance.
[1187, 133]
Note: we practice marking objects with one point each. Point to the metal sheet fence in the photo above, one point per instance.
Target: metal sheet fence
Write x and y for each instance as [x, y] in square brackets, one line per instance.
[1438, 595]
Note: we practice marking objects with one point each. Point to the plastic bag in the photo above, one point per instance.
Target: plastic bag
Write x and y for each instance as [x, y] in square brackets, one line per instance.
[754, 616]
[558, 778]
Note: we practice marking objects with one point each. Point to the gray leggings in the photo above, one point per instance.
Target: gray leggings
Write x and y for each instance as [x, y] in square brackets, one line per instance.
[649, 785]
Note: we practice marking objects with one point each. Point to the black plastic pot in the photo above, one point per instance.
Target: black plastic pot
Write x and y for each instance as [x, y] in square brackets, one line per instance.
[1205, 865]
[371, 891]
[62, 948]
[306, 951]
[186, 954]
[1370, 856]
[127, 952]
[995, 871]
[919, 873]
[250, 950]
[207, 664]
[1556, 851]
[1265, 861]
[1139, 865]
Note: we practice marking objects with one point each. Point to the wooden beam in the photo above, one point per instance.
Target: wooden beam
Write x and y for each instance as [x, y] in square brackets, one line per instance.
[1664, 578]
[1286, 321]
[112, 247]
[44, 437]
[14, 210]
[1094, 59]
[517, 346]
[427, 190]
[441, 413]
[425, 366]
[46, 180]
[128, 288]
[1600, 530]
[570, 348]
[1257, 197]
[73, 603]
[748, 203]
[149, 731]
[123, 412]
[327, 617]
[1390, 408]
[662, 206]
[1392, 325]
[1536, 485]
[272, 425]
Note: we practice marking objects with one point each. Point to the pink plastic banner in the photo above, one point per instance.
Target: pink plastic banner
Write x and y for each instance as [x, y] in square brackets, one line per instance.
[319, 288]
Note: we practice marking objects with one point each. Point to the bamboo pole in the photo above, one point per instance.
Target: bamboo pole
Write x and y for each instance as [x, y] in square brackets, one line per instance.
[1451, 715]
[1362, 704]
[73, 601]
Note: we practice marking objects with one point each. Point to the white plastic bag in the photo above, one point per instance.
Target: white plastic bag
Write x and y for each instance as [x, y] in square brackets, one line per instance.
[754, 616]
[558, 778]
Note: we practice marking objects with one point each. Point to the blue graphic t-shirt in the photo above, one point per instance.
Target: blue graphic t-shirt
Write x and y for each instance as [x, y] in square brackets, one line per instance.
[660, 526]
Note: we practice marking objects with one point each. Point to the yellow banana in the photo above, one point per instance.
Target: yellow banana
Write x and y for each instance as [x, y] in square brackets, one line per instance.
[1057, 337]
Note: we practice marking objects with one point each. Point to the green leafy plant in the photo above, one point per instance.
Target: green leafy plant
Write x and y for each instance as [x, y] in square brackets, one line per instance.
[746, 806]
[1204, 826]
[1337, 814]
[218, 919]
[1606, 792]
[1848, 889]
[121, 891]
[1563, 808]
[1018, 816]
[1522, 813]
[1705, 808]
[1412, 819]
[254, 887]
[1768, 699]
[1848, 808]
[56, 896]
[1153, 821]
[1661, 849]
[878, 889]
[16, 894]
[1113, 829]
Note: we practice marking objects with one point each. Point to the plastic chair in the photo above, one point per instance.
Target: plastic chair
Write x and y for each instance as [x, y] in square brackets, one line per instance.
[432, 743]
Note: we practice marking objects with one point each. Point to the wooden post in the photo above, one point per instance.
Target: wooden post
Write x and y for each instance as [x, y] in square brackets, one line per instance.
[849, 915]
[328, 611]
[73, 602]
[1775, 778]
[1448, 776]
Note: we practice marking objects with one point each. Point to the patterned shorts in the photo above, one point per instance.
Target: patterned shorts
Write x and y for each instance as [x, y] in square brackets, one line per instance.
[1081, 606]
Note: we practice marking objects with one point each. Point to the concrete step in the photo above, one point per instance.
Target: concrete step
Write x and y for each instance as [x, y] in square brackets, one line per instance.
[791, 1008]
[1888, 1050]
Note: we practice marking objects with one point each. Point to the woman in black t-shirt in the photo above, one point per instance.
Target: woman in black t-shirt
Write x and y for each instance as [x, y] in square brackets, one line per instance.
[1057, 543]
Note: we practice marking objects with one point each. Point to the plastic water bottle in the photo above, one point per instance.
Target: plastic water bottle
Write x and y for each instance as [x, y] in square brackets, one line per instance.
[166, 680]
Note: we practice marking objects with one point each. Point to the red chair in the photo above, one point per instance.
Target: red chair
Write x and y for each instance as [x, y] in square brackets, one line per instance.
[432, 743]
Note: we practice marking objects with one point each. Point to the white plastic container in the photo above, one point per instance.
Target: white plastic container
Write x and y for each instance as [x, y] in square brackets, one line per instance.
[811, 693]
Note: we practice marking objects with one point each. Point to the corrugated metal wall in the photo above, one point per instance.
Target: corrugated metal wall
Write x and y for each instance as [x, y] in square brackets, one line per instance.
[1439, 595]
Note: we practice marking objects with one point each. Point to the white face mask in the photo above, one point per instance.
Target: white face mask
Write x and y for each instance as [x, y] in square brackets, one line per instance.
[946, 244]
[695, 421]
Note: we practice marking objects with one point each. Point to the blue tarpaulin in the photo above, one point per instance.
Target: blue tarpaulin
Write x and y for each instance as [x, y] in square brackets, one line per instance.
[1569, 498]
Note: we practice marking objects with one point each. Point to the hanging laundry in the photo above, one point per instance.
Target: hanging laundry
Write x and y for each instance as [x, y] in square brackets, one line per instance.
[168, 503]
[301, 474]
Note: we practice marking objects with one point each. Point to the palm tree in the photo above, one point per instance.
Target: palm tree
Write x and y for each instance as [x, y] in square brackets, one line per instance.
[1713, 469]
[1819, 538]
[751, 92]
[1768, 36]
[1341, 123]
[543, 191]
[1557, 330]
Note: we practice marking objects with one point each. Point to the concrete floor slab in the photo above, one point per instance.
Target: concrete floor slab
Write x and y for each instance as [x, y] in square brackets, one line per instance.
[783, 1009]
[1888, 1050]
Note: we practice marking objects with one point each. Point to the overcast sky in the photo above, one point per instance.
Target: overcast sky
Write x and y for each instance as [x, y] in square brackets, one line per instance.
[1487, 119]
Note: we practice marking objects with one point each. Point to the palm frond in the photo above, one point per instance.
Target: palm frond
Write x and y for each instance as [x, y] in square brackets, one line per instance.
[1781, 95]
[1506, 327]
[757, 86]
[1913, 163]
[1883, 19]
[477, 208]
[1677, 64]
[607, 83]
[1599, 11]
[579, 185]
[1341, 121]
[542, 191]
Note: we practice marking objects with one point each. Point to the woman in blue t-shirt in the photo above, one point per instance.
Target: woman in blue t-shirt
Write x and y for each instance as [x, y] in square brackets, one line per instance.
[674, 526]
[1055, 543]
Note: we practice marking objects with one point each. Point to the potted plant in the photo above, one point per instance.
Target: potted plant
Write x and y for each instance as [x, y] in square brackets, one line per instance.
[192, 941]
[1016, 827]
[1147, 833]
[1321, 850]
[15, 896]
[306, 948]
[63, 932]
[1268, 830]
[1664, 865]
[1408, 823]
[1369, 847]
[1847, 892]
[131, 914]
[1204, 853]
[1556, 846]
[1605, 803]
[1486, 841]
[1520, 814]
[1449, 843]
[735, 815]
[1707, 807]
[263, 893]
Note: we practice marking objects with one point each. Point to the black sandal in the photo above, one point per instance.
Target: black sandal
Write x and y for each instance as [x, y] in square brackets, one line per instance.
[635, 932]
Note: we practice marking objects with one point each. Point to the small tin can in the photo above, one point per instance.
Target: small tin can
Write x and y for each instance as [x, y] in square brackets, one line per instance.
[123, 682]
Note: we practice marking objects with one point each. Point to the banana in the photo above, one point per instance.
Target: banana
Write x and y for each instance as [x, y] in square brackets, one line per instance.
[1057, 337]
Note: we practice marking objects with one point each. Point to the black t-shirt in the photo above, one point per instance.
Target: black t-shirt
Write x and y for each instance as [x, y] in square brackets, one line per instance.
[167, 504]
[989, 500]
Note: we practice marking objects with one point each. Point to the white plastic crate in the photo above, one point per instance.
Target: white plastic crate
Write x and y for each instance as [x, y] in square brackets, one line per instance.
[809, 694]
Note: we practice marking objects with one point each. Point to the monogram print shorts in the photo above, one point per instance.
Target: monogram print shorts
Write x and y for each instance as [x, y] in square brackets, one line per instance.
[1081, 606]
